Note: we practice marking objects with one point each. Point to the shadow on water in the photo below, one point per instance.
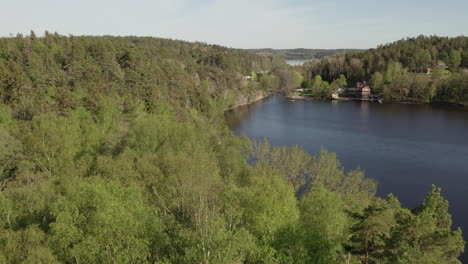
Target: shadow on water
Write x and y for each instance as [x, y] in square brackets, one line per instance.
[234, 117]
[407, 148]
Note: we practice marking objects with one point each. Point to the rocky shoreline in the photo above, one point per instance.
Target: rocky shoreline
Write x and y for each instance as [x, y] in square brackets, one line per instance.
[297, 97]
[242, 100]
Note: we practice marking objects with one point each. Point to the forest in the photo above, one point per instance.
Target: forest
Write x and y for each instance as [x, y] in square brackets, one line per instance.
[115, 150]
[301, 54]
[425, 69]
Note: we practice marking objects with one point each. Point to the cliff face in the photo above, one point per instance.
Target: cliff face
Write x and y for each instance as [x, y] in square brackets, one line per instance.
[248, 99]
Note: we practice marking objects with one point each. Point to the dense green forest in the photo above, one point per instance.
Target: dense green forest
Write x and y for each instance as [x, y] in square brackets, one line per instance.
[301, 54]
[395, 69]
[55, 73]
[115, 150]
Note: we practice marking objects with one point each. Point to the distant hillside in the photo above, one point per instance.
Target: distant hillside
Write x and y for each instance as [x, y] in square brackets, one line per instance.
[57, 73]
[301, 54]
[421, 69]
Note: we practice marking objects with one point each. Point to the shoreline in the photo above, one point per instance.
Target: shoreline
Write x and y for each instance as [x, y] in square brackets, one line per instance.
[243, 100]
[298, 97]
[404, 102]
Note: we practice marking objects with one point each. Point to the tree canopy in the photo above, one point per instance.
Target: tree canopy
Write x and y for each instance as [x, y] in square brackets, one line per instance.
[114, 150]
[421, 69]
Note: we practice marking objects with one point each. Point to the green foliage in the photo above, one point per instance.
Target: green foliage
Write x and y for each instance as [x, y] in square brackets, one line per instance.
[270, 203]
[377, 80]
[298, 78]
[292, 163]
[10, 156]
[394, 69]
[322, 89]
[59, 73]
[423, 58]
[371, 230]
[324, 224]
[288, 78]
[101, 222]
[400, 63]
[339, 83]
[6, 119]
[301, 54]
[317, 84]
[357, 190]
[455, 58]
[424, 234]
[114, 150]
[26, 246]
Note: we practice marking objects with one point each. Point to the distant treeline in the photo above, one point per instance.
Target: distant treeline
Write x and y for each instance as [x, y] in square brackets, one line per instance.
[422, 69]
[301, 54]
[114, 150]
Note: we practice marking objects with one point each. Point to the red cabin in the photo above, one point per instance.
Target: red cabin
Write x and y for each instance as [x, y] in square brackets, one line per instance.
[363, 89]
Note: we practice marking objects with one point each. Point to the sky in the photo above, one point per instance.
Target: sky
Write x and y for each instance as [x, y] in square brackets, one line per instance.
[242, 23]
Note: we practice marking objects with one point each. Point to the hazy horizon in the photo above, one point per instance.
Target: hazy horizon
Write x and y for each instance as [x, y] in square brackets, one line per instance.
[276, 24]
[41, 34]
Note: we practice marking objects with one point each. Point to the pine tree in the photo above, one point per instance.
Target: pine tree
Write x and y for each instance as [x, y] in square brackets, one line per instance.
[424, 234]
[371, 230]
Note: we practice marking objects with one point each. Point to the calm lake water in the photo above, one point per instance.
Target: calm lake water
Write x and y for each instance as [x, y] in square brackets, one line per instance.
[407, 148]
[297, 62]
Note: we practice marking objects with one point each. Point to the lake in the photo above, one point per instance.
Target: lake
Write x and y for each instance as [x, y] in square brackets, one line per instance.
[297, 62]
[407, 148]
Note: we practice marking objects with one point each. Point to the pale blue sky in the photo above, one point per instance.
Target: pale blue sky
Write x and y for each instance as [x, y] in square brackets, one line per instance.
[243, 23]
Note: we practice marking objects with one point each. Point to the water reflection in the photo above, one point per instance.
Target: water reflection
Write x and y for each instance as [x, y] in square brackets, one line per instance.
[234, 117]
[365, 111]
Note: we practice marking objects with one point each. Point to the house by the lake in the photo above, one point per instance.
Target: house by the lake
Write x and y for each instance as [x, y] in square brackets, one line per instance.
[363, 90]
